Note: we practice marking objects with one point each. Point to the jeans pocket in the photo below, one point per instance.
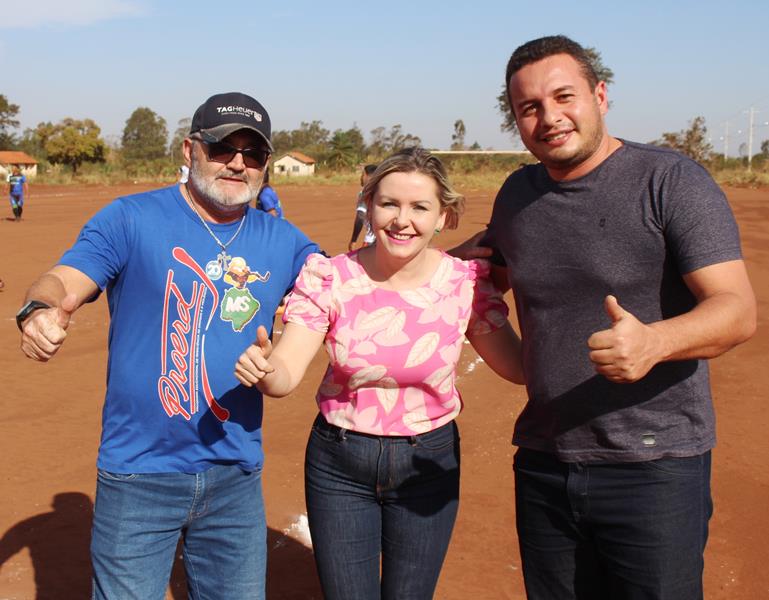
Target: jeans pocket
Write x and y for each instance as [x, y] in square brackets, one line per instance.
[116, 476]
[687, 466]
[439, 439]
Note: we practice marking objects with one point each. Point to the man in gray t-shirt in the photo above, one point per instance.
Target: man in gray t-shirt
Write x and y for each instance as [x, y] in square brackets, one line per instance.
[626, 269]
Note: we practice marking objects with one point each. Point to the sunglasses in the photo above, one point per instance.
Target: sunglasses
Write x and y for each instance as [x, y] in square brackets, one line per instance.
[222, 152]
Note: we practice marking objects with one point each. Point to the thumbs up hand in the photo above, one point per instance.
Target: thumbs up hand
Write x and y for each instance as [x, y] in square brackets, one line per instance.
[45, 330]
[253, 366]
[626, 351]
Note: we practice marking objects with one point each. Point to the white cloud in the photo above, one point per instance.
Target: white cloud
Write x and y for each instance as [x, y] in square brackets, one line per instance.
[71, 13]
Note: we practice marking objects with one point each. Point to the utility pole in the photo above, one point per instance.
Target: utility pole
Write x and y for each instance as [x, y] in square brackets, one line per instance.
[750, 112]
[726, 142]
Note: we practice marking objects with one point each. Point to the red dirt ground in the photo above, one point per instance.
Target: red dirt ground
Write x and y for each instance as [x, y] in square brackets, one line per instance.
[49, 429]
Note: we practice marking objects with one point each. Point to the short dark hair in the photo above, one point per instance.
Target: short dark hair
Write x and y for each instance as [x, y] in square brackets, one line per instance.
[541, 48]
[369, 169]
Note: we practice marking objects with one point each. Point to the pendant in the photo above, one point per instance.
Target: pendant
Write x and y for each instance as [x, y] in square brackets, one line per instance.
[224, 259]
[214, 270]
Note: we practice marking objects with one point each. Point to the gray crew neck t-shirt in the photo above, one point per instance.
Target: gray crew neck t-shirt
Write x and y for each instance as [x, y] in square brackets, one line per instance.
[631, 228]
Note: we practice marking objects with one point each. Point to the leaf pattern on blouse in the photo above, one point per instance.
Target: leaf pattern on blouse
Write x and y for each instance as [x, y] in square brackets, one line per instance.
[422, 349]
[392, 354]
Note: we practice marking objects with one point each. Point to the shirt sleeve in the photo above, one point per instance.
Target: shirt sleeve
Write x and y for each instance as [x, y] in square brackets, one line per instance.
[490, 310]
[698, 222]
[268, 199]
[102, 248]
[310, 301]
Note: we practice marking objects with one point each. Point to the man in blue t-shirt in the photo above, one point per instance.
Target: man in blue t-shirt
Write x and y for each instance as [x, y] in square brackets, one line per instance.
[17, 189]
[190, 272]
[625, 265]
[268, 200]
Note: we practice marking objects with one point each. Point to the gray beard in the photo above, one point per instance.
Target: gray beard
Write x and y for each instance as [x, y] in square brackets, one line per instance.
[205, 190]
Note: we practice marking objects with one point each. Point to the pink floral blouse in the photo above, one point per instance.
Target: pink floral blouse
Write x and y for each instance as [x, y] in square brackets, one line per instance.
[392, 354]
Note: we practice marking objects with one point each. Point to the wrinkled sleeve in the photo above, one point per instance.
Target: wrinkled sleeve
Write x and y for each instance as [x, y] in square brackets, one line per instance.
[490, 310]
[310, 301]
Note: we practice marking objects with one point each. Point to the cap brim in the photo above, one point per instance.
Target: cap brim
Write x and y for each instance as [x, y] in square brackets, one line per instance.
[217, 134]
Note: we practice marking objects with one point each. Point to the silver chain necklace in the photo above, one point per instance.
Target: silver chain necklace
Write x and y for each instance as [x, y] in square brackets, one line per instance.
[213, 235]
[222, 258]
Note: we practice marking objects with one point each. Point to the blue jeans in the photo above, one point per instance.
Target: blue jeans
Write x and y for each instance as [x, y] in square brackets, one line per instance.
[138, 519]
[612, 531]
[371, 497]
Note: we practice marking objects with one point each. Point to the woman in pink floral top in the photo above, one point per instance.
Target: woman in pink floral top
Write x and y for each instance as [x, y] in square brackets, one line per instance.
[382, 463]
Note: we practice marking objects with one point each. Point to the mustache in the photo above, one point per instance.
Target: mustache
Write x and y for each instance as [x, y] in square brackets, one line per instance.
[231, 175]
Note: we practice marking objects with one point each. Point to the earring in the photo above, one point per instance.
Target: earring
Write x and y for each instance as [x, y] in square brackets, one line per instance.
[437, 231]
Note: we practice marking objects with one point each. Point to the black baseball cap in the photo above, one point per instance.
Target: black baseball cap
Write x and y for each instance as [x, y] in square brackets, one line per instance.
[223, 114]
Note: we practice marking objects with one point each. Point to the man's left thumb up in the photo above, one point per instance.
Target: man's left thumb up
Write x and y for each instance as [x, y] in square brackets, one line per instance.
[613, 309]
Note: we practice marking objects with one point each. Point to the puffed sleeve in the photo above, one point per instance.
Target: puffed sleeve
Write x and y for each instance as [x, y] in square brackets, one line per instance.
[309, 302]
[489, 308]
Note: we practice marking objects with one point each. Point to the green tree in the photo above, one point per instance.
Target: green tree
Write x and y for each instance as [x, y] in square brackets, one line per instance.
[385, 142]
[73, 142]
[311, 138]
[346, 148]
[145, 135]
[8, 121]
[693, 141]
[603, 72]
[33, 141]
[175, 148]
[458, 137]
[378, 145]
[397, 139]
[765, 148]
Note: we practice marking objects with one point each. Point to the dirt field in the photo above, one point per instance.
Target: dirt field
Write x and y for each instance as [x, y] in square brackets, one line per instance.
[49, 429]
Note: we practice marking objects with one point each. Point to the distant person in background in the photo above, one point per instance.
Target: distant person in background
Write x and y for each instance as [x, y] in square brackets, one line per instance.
[268, 200]
[18, 189]
[360, 213]
[184, 174]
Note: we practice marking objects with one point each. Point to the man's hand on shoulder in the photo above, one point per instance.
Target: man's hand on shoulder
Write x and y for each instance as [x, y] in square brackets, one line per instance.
[470, 248]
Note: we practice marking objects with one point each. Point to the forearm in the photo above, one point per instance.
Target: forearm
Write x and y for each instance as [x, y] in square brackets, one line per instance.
[290, 359]
[48, 288]
[501, 350]
[714, 326]
[52, 286]
[279, 382]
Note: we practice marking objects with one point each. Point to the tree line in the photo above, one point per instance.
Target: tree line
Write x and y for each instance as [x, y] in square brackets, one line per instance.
[144, 142]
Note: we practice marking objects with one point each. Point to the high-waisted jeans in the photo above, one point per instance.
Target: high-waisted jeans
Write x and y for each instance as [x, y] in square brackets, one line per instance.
[372, 498]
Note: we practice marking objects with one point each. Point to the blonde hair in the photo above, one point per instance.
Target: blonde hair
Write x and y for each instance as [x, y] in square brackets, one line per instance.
[419, 160]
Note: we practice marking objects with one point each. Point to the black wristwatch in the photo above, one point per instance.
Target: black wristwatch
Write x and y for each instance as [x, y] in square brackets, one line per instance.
[27, 310]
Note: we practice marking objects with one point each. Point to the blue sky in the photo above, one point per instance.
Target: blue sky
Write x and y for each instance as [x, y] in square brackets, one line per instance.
[421, 64]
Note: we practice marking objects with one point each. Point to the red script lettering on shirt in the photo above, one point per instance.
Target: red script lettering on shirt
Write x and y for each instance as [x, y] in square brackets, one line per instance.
[178, 386]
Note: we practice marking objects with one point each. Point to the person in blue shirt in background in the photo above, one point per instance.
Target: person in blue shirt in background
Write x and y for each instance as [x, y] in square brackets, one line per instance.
[18, 189]
[268, 200]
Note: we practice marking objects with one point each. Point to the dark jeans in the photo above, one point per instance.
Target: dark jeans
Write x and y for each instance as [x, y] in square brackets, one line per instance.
[612, 531]
[371, 497]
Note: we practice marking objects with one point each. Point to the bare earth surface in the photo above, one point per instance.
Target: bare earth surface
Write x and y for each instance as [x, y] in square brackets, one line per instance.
[50, 423]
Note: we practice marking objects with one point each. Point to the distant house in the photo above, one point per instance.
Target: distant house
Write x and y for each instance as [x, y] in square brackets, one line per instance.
[294, 164]
[9, 158]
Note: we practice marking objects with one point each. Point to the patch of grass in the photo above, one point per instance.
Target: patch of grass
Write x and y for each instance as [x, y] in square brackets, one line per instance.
[741, 178]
